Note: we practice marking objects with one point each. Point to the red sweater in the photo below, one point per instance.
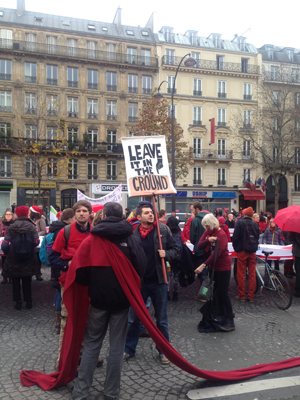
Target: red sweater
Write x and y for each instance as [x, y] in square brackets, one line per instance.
[185, 234]
[223, 261]
[74, 242]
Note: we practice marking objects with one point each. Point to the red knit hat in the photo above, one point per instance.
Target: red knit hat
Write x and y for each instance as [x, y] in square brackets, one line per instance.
[221, 220]
[22, 211]
[248, 211]
[36, 209]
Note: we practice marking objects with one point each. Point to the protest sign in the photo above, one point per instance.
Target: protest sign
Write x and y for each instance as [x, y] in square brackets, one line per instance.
[147, 166]
[115, 196]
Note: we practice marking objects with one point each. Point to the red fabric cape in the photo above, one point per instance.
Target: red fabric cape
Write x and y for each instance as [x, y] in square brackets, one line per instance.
[77, 302]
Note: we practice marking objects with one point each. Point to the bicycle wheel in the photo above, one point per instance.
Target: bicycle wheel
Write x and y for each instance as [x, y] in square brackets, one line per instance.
[280, 290]
[258, 283]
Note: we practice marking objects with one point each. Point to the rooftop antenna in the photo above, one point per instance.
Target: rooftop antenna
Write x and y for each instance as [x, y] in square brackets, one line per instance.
[249, 29]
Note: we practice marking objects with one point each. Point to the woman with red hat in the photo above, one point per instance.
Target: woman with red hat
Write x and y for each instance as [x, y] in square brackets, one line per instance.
[36, 214]
[7, 220]
[20, 240]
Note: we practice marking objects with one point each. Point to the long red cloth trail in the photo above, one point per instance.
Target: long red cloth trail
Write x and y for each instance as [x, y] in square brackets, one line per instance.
[77, 302]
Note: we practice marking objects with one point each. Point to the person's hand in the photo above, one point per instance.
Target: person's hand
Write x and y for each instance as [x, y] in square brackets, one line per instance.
[200, 269]
[69, 263]
[212, 239]
[162, 253]
[188, 241]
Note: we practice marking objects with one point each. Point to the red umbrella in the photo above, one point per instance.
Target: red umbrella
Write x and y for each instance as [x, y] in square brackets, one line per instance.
[288, 219]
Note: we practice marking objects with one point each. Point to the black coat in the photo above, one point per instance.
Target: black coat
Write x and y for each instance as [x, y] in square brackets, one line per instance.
[12, 267]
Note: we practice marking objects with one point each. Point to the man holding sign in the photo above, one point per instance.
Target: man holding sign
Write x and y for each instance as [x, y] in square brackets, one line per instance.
[154, 284]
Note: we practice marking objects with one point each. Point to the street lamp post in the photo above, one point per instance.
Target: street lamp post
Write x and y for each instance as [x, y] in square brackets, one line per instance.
[189, 62]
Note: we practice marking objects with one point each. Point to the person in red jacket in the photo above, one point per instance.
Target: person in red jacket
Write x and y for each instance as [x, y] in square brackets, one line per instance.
[224, 227]
[185, 234]
[222, 267]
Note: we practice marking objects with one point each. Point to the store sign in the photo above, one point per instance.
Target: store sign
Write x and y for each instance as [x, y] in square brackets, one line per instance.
[199, 194]
[107, 188]
[30, 184]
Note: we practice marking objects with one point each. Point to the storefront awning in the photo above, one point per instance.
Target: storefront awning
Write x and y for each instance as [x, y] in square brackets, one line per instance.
[253, 195]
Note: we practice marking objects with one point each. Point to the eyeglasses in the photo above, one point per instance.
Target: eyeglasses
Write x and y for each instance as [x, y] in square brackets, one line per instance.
[9, 214]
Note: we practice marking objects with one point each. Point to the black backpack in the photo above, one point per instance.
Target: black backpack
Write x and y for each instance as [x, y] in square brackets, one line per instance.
[186, 268]
[23, 246]
[250, 237]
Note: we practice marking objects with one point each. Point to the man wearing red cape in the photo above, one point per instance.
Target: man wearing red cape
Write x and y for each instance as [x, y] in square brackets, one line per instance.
[76, 298]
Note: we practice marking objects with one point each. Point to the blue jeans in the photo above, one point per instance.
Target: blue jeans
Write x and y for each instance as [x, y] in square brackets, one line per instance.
[131, 315]
[57, 300]
[159, 296]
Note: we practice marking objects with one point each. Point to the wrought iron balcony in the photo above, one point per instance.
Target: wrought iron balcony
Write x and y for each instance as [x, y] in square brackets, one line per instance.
[111, 88]
[147, 91]
[222, 95]
[30, 79]
[72, 114]
[213, 65]
[197, 182]
[247, 96]
[51, 81]
[5, 108]
[132, 119]
[73, 83]
[92, 177]
[4, 174]
[76, 52]
[247, 125]
[5, 77]
[214, 154]
[286, 76]
[197, 122]
[197, 92]
[52, 113]
[171, 90]
[30, 110]
[132, 89]
[221, 182]
[111, 117]
[93, 86]
[92, 116]
[111, 177]
[221, 124]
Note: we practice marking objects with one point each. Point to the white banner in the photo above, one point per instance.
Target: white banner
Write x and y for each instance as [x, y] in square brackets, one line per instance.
[115, 196]
[147, 166]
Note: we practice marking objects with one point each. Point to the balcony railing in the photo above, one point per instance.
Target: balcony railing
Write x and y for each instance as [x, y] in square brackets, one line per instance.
[5, 108]
[214, 154]
[221, 124]
[51, 81]
[92, 85]
[222, 95]
[30, 111]
[30, 79]
[197, 122]
[197, 182]
[5, 77]
[247, 125]
[92, 116]
[52, 113]
[72, 114]
[111, 117]
[213, 65]
[285, 76]
[73, 83]
[171, 90]
[132, 89]
[147, 91]
[132, 119]
[111, 88]
[197, 92]
[92, 177]
[221, 182]
[111, 177]
[75, 52]
[247, 96]
[5, 174]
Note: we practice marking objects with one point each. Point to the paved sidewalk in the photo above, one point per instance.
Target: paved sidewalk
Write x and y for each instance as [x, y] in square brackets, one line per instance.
[263, 334]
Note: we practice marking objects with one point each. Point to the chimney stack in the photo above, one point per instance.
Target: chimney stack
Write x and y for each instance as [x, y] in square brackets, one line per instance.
[20, 7]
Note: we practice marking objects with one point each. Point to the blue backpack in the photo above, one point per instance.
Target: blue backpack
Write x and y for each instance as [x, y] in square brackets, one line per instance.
[46, 248]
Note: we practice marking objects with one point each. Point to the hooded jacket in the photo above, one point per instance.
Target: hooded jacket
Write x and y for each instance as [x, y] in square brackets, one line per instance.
[12, 267]
[56, 226]
[197, 231]
[238, 233]
[105, 291]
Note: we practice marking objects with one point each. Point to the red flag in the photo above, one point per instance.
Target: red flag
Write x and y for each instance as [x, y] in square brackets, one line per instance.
[212, 130]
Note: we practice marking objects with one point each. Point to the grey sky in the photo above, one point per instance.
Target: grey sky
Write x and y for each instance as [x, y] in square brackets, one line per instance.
[271, 21]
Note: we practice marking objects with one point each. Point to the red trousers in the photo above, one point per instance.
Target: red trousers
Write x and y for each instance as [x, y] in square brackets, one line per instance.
[244, 260]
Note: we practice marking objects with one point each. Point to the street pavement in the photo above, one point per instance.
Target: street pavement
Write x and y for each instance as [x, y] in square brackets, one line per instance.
[263, 334]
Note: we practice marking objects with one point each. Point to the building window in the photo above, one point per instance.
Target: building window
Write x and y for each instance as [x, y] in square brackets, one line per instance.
[52, 105]
[51, 44]
[30, 103]
[222, 89]
[72, 107]
[30, 72]
[295, 75]
[30, 132]
[297, 99]
[170, 110]
[247, 174]
[247, 150]
[170, 57]
[6, 36]
[221, 117]
[5, 133]
[92, 169]
[197, 116]
[92, 108]
[111, 52]
[247, 119]
[132, 83]
[247, 91]
[220, 63]
[5, 70]
[51, 74]
[132, 112]
[170, 80]
[197, 87]
[5, 167]
[197, 147]
[145, 57]
[30, 168]
[111, 137]
[5, 101]
[297, 155]
[111, 110]
[275, 154]
[92, 78]
[52, 168]
[92, 136]
[147, 84]
[245, 65]
[221, 176]
[51, 135]
[297, 127]
[111, 81]
[91, 50]
[72, 47]
[297, 183]
[274, 73]
[73, 169]
[196, 57]
[72, 74]
[197, 176]
[72, 136]
[276, 98]
[111, 170]
[131, 55]
[221, 148]
[276, 124]
[30, 41]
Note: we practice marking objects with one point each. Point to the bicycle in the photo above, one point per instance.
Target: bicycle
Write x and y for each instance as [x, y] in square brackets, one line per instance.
[276, 284]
